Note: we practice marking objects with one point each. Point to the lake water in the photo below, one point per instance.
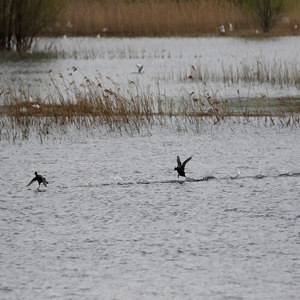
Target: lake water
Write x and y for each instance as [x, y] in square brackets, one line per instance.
[230, 67]
[115, 222]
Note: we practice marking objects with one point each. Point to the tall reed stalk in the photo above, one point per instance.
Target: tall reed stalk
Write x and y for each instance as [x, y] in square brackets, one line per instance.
[164, 18]
[275, 73]
[90, 104]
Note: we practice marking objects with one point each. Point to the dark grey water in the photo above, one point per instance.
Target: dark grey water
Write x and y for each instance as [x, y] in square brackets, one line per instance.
[115, 222]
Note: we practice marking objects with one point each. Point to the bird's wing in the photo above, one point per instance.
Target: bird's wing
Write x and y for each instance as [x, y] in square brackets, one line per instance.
[44, 181]
[186, 161]
[33, 180]
[140, 67]
[178, 161]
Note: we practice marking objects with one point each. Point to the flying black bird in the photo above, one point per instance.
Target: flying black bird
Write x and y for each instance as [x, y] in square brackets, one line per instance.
[180, 166]
[140, 68]
[40, 179]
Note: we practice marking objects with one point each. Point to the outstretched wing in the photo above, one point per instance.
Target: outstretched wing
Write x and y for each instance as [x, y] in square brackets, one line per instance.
[45, 181]
[32, 181]
[178, 161]
[186, 161]
[140, 67]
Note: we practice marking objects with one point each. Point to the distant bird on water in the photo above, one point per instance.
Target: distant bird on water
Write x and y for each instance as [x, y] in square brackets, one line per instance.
[222, 29]
[180, 166]
[40, 179]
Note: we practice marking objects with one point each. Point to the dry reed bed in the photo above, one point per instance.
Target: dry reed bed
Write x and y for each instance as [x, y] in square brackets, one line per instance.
[163, 18]
[90, 105]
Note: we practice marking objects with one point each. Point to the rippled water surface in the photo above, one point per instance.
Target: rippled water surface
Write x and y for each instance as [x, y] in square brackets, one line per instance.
[222, 66]
[115, 222]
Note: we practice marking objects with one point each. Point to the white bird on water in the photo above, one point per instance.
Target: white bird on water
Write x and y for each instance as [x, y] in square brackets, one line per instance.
[222, 29]
[35, 106]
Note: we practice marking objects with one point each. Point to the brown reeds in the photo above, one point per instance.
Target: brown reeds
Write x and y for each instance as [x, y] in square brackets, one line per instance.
[164, 18]
[90, 105]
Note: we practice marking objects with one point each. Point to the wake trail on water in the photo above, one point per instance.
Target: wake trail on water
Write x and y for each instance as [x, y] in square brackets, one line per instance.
[193, 180]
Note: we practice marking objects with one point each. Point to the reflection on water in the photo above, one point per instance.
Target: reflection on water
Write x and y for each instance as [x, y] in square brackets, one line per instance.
[116, 223]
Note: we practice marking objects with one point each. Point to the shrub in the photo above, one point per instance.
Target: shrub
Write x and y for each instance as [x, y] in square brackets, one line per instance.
[22, 20]
[266, 13]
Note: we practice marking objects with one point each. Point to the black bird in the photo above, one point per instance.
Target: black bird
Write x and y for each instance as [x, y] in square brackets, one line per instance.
[40, 179]
[180, 166]
[140, 68]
